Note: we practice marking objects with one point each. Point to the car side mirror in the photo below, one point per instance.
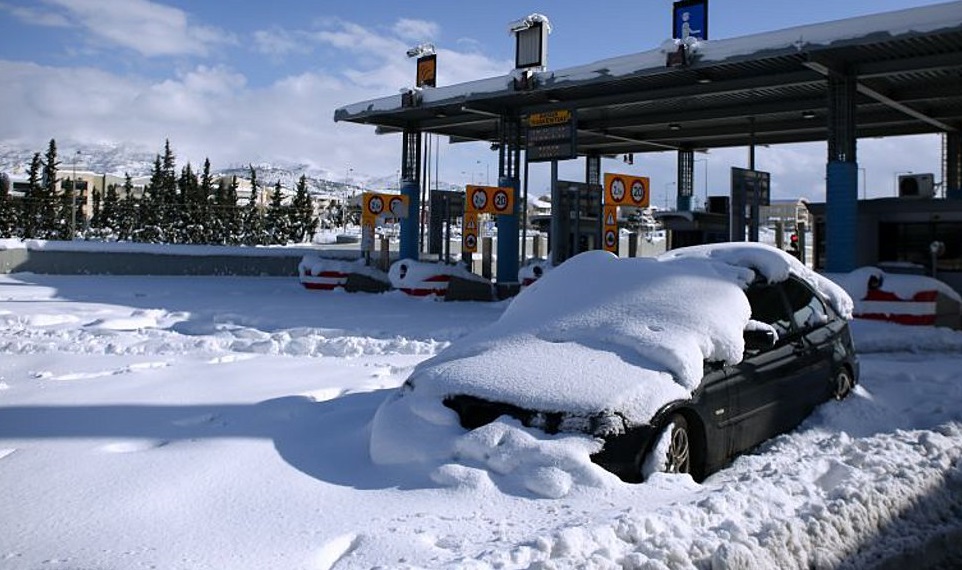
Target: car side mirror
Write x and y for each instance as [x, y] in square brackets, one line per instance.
[756, 340]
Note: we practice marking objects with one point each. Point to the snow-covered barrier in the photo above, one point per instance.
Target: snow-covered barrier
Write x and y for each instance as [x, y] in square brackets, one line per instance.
[325, 274]
[904, 299]
[421, 279]
[533, 270]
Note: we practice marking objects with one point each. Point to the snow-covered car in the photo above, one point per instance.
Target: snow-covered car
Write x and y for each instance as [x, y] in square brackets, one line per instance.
[675, 363]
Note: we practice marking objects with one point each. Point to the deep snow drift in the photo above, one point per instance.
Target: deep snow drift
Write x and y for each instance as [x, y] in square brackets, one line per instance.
[223, 423]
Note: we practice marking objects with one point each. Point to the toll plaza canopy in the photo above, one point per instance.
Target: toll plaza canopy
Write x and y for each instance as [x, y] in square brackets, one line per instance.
[766, 88]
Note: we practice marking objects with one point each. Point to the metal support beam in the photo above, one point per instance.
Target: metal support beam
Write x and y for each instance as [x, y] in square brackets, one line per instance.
[410, 187]
[509, 159]
[686, 179]
[888, 101]
[953, 165]
[841, 194]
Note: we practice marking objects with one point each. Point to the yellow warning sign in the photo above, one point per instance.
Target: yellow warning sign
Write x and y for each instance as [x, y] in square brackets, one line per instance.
[469, 238]
[610, 233]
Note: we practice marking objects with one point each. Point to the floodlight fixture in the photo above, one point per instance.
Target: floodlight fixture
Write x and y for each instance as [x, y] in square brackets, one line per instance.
[531, 34]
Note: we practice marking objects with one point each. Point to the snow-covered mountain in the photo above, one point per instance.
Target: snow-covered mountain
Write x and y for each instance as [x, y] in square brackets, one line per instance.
[121, 159]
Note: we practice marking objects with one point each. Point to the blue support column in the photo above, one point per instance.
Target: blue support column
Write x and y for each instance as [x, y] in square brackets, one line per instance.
[953, 165]
[410, 225]
[508, 231]
[841, 217]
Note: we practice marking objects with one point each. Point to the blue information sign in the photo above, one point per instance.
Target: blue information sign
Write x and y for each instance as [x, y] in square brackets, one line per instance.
[690, 20]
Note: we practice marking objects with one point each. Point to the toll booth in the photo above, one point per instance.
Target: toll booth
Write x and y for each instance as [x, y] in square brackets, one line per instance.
[446, 206]
[897, 235]
[579, 214]
[694, 227]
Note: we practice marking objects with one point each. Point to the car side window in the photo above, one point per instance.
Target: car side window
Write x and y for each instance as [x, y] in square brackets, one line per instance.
[769, 307]
[808, 310]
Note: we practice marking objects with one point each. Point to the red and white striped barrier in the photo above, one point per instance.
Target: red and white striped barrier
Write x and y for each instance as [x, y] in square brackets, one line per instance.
[325, 280]
[885, 306]
[433, 285]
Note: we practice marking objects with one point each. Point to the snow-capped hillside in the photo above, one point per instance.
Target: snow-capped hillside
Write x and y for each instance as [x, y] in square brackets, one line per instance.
[120, 159]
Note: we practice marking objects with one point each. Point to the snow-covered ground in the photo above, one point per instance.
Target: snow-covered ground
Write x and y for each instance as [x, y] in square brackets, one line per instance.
[219, 422]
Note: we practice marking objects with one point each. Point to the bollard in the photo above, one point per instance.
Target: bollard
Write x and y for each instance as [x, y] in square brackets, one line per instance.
[385, 253]
[632, 244]
[486, 247]
[779, 234]
[800, 232]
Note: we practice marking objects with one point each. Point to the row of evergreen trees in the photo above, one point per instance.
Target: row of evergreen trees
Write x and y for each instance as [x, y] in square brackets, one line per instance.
[174, 208]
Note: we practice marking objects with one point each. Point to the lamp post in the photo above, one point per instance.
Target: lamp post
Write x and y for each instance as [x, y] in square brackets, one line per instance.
[705, 160]
[73, 198]
[667, 196]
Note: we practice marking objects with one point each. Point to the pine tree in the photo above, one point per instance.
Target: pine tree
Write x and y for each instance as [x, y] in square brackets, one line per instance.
[127, 214]
[170, 210]
[148, 225]
[65, 226]
[189, 216]
[49, 205]
[277, 218]
[253, 220]
[205, 197]
[232, 214]
[95, 218]
[110, 212]
[33, 200]
[6, 208]
[303, 223]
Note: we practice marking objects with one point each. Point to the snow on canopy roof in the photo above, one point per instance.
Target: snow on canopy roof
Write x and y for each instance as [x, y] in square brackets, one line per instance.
[924, 19]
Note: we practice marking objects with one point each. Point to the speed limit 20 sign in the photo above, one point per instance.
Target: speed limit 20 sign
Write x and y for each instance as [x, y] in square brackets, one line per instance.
[491, 199]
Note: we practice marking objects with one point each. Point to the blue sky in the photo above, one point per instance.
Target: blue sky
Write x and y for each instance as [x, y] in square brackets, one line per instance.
[259, 81]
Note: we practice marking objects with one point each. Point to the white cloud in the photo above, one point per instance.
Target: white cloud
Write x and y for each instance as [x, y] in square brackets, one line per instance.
[146, 27]
[416, 30]
[36, 16]
[279, 42]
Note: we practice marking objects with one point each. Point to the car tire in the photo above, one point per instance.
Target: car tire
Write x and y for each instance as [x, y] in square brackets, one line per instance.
[679, 451]
[843, 384]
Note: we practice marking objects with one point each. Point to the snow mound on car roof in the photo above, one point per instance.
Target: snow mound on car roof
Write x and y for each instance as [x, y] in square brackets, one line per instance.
[601, 333]
[772, 263]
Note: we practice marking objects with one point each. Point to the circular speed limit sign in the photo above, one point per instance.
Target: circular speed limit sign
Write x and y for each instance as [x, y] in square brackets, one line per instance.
[479, 199]
[397, 208]
[618, 190]
[610, 238]
[500, 200]
[638, 191]
[375, 205]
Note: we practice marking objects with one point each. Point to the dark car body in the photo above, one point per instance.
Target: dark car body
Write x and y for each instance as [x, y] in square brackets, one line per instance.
[801, 356]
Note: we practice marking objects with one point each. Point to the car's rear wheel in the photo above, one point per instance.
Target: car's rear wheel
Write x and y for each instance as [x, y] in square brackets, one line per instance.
[843, 384]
